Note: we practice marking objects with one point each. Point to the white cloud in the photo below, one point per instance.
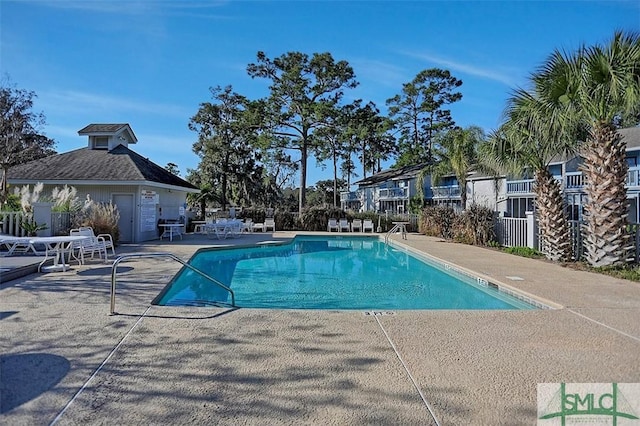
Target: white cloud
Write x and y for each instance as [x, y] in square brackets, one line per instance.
[70, 101]
[381, 73]
[486, 73]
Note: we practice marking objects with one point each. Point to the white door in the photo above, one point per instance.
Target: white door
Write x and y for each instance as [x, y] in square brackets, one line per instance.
[125, 208]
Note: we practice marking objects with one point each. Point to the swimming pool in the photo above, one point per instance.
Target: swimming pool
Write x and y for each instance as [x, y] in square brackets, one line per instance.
[313, 272]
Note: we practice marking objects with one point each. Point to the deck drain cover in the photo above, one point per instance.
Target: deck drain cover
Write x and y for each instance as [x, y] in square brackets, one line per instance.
[379, 313]
[514, 278]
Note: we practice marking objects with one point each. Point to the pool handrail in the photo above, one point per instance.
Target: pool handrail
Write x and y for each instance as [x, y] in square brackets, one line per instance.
[159, 254]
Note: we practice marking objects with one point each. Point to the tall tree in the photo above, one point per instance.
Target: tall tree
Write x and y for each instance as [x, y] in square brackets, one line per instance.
[300, 86]
[21, 139]
[333, 143]
[225, 139]
[369, 137]
[419, 112]
[540, 125]
[607, 78]
[172, 168]
[458, 154]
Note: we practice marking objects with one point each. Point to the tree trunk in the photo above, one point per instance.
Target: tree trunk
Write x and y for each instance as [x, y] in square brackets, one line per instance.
[607, 241]
[552, 218]
[223, 197]
[302, 199]
[335, 179]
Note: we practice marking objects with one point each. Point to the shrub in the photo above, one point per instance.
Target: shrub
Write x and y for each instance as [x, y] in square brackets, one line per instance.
[316, 218]
[256, 215]
[523, 251]
[437, 221]
[102, 217]
[475, 226]
[12, 203]
[65, 199]
[285, 221]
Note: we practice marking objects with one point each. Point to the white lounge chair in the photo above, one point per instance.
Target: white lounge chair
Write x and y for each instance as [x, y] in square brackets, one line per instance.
[344, 225]
[367, 224]
[333, 225]
[269, 223]
[17, 244]
[356, 224]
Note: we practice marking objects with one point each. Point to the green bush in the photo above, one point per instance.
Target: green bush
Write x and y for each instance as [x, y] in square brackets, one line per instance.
[316, 218]
[523, 251]
[12, 203]
[285, 221]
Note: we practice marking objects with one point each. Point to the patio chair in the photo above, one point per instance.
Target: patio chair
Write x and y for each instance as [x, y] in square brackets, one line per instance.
[90, 245]
[269, 223]
[247, 226]
[344, 225]
[332, 225]
[356, 224]
[367, 224]
[108, 239]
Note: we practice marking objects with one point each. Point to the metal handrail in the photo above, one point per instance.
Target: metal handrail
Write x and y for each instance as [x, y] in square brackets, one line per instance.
[396, 227]
[172, 256]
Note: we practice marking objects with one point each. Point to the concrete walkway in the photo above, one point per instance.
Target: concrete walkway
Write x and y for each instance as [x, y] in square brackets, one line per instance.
[64, 360]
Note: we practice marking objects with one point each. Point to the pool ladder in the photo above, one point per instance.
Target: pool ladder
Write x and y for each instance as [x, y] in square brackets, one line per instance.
[398, 227]
[169, 255]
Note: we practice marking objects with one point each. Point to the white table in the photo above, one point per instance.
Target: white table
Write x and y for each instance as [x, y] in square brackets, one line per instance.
[55, 248]
[170, 229]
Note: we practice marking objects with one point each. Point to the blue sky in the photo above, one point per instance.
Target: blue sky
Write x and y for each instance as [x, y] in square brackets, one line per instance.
[151, 63]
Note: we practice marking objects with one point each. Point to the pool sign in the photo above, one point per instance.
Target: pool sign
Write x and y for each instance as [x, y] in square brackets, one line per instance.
[588, 403]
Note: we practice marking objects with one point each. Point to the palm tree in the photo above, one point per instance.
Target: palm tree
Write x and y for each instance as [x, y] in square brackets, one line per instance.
[608, 81]
[540, 125]
[458, 155]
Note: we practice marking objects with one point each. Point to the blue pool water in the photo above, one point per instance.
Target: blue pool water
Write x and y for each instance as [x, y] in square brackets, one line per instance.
[328, 273]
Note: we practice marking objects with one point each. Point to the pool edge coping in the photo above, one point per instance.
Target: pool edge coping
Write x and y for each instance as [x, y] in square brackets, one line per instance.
[522, 295]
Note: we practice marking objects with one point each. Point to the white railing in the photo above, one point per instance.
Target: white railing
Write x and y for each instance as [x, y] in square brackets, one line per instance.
[349, 196]
[449, 191]
[10, 223]
[633, 177]
[387, 193]
[524, 186]
[573, 180]
[512, 231]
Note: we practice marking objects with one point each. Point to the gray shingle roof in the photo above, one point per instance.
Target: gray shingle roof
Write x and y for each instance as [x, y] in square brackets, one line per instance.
[406, 172]
[631, 136]
[119, 164]
[101, 128]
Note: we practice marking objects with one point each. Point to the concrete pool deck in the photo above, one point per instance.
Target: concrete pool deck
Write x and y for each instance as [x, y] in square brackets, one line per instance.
[65, 360]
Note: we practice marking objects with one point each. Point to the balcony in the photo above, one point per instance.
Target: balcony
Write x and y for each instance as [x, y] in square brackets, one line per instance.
[524, 186]
[573, 180]
[392, 193]
[446, 192]
[350, 196]
[633, 177]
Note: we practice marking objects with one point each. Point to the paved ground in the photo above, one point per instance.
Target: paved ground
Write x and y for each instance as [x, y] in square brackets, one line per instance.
[64, 360]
